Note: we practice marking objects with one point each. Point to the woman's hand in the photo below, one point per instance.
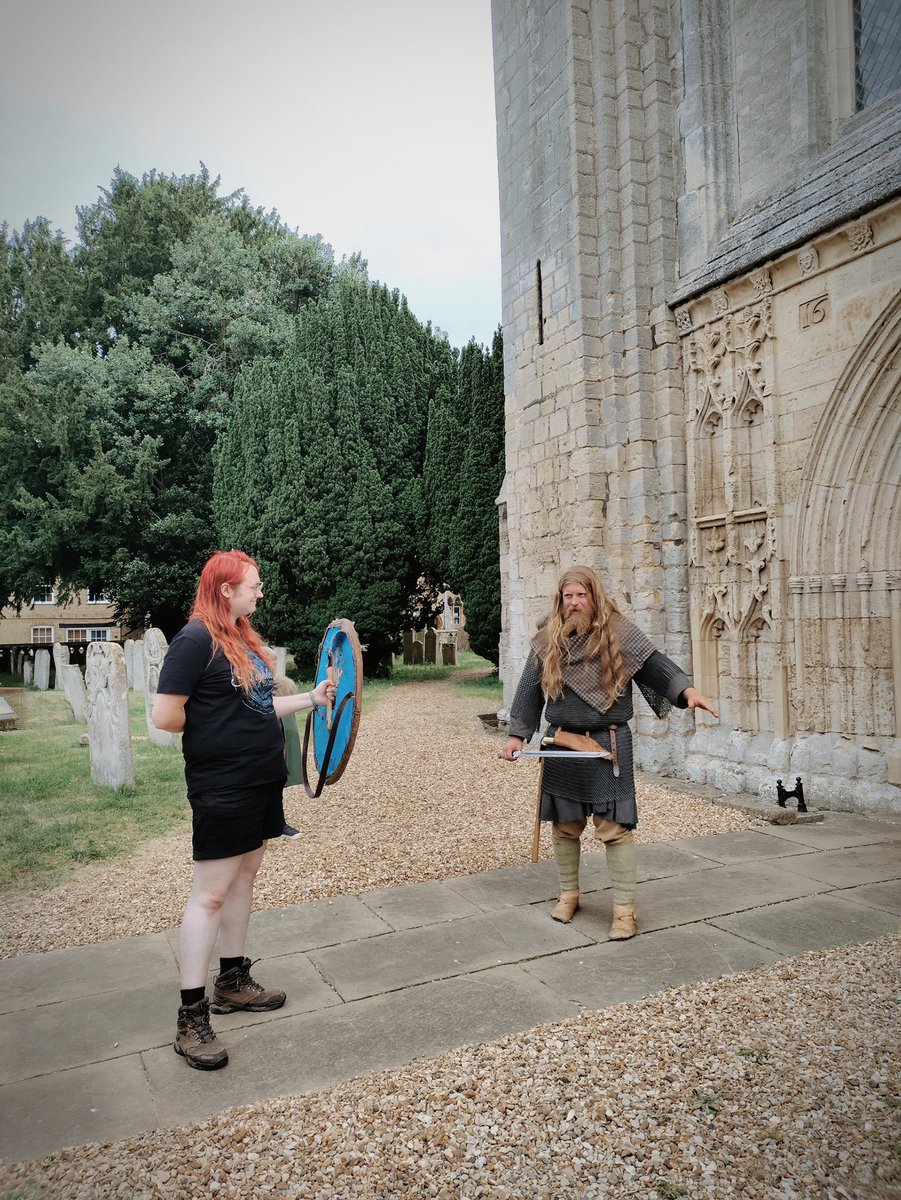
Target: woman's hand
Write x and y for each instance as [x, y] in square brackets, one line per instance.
[509, 748]
[323, 691]
[694, 699]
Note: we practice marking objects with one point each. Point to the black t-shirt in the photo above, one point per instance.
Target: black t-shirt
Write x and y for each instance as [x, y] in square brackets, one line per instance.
[230, 739]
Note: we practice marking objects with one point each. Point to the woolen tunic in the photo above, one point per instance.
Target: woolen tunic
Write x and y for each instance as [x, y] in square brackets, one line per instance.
[572, 789]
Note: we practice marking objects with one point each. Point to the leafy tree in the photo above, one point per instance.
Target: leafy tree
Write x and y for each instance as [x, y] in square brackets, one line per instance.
[111, 427]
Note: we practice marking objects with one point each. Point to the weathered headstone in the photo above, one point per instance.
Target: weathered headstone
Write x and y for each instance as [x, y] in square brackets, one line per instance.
[109, 732]
[128, 649]
[27, 671]
[417, 653]
[281, 661]
[449, 654]
[42, 670]
[60, 662]
[137, 670]
[431, 647]
[73, 684]
[154, 651]
[408, 647]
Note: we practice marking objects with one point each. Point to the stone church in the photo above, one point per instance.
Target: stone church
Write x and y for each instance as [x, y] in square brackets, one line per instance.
[701, 256]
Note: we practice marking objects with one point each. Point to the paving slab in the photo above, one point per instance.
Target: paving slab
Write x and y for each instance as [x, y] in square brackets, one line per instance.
[877, 895]
[810, 923]
[417, 904]
[84, 971]
[685, 899]
[102, 1102]
[508, 886]
[663, 859]
[415, 956]
[747, 846]
[835, 831]
[308, 1053]
[851, 866]
[624, 972]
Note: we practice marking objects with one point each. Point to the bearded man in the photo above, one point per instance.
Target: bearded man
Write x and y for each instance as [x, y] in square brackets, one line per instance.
[585, 657]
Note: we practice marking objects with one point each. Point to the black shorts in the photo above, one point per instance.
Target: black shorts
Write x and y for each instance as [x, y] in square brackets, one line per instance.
[232, 821]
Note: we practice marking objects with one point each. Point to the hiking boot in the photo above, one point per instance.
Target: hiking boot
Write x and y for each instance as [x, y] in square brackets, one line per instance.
[237, 991]
[195, 1040]
[566, 907]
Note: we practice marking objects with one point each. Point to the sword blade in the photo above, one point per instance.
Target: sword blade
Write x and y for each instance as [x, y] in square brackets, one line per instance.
[560, 754]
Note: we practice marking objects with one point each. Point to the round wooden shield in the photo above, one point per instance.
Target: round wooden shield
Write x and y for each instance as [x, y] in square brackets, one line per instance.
[334, 727]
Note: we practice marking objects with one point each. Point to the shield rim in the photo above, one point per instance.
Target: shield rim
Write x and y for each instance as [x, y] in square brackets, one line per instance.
[350, 631]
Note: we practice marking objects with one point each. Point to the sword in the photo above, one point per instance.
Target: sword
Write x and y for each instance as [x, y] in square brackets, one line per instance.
[560, 754]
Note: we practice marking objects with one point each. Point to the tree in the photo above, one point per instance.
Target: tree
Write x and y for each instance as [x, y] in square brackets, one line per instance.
[112, 418]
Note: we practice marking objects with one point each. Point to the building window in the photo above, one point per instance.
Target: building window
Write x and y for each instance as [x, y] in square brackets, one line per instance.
[877, 50]
[77, 633]
[44, 594]
[97, 597]
[42, 633]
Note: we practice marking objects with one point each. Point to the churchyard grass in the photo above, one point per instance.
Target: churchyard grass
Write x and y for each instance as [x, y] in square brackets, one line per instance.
[53, 816]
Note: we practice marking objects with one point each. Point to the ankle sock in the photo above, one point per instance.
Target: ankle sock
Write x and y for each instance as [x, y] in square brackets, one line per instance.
[228, 964]
[192, 995]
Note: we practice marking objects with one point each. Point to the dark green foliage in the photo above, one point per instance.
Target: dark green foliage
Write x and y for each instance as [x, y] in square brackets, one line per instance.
[318, 473]
[464, 471]
[119, 361]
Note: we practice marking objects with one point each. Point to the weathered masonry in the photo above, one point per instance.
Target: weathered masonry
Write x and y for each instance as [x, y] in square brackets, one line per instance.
[701, 249]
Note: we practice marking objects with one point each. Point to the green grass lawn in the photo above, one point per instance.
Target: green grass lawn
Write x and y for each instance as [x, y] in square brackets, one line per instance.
[54, 817]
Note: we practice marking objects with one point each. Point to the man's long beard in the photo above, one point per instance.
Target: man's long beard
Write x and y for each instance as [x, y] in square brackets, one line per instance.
[576, 625]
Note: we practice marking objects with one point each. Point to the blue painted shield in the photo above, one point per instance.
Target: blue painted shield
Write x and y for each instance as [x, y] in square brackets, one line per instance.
[334, 727]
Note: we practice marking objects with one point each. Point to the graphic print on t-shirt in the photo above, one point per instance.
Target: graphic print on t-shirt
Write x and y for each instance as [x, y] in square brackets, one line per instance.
[260, 696]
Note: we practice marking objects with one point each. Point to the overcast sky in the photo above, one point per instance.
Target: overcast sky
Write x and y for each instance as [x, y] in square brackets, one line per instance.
[370, 122]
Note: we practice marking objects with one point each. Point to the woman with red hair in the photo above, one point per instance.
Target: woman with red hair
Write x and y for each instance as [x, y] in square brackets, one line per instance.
[216, 689]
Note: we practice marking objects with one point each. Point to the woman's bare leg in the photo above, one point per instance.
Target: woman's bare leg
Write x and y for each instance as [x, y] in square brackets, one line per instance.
[210, 907]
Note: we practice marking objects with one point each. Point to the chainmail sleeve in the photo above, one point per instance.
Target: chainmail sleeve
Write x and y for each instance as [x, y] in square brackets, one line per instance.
[662, 683]
[528, 703]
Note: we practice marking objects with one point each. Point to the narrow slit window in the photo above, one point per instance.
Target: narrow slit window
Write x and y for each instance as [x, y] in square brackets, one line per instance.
[540, 302]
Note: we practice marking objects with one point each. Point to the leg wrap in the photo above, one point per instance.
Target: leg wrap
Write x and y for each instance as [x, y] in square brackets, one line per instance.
[621, 863]
[566, 855]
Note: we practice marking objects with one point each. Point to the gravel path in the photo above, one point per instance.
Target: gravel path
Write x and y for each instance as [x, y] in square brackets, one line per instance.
[777, 1084]
[424, 797]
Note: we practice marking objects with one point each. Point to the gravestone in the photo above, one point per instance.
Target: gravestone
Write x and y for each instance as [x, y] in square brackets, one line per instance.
[417, 653]
[73, 685]
[431, 647]
[109, 732]
[128, 649]
[281, 661]
[42, 670]
[408, 647]
[154, 651]
[60, 662]
[27, 672]
[449, 654]
[137, 669]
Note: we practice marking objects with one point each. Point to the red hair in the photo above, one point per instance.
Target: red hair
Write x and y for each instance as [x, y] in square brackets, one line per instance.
[234, 638]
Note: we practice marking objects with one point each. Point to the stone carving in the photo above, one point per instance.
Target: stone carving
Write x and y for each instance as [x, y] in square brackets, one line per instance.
[860, 235]
[808, 260]
[763, 282]
[73, 685]
[683, 320]
[720, 302]
[109, 731]
[154, 647]
[42, 670]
